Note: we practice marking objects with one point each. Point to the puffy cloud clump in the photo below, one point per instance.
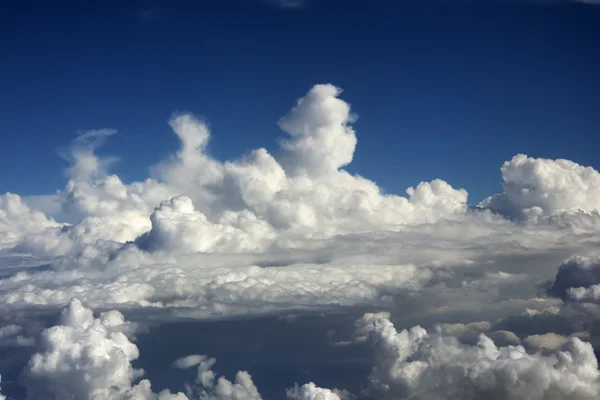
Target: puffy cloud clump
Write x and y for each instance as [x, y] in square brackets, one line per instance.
[82, 357]
[95, 206]
[15, 335]
[191, 170]
[578, 278]
[310, 391]
[295, 231]
[322, 140]
[18, 220]
[539, 186]
[207, 387]
[85, 357]
[418, 365]
[92, 192]
[302, 191]
[177, 226]
[196, 203]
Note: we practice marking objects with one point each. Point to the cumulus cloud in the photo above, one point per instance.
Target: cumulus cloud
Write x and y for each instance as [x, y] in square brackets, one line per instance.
[18, 220]
[310, 391]
[15, 335]
[88, 357]
[322, 140]
[177, 226]
[260, 204]
[85, 165]
[82, 357]
[539, 186]
[293, 230]
[207, 387]
[85, 357]
[416, 364]
[240, 205]
[287, 210]
[578, 278]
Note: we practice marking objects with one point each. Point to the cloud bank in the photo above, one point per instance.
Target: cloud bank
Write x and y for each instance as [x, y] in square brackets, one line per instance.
[293, 233]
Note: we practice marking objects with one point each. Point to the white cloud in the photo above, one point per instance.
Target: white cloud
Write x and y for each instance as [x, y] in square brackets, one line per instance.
[543, 186]
[130, 276]
[85, 357]
[82, 357]
[18, 220]
[208, 388]
[189, 361]
[295, 231]
[416, 364]
[309, 391]
[85, 165]
[14, 335]
[322, 140]
[177, 226]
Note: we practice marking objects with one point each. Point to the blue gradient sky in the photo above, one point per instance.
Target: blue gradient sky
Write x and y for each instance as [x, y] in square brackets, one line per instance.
[445, 90]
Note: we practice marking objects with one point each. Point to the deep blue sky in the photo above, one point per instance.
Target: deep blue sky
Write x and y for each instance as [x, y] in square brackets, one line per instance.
[446, 90]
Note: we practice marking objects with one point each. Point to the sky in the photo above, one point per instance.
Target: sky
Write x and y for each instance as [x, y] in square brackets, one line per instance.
[438, 87]
[301, 200]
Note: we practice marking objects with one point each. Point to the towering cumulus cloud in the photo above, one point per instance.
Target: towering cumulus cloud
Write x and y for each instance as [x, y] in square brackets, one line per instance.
[290, 238]
[83, 357]
[322, 140]
[542, 186]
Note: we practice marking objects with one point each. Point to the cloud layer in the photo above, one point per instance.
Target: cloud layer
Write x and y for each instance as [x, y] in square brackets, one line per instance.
[294, 232]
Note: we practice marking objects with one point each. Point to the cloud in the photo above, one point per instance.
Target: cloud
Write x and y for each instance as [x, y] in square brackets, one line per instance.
[208, 388]
[189, 361]
[18, 220]
[85, 357]
[293, 231]
[177, 226]
[248, 204]
[547, 341]
[309, 391]
[578, 278]
[85, 164]
[543, 187]
[91, 357]
[415, 364]
[82, 357]
[322, 140]
[290, 211]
